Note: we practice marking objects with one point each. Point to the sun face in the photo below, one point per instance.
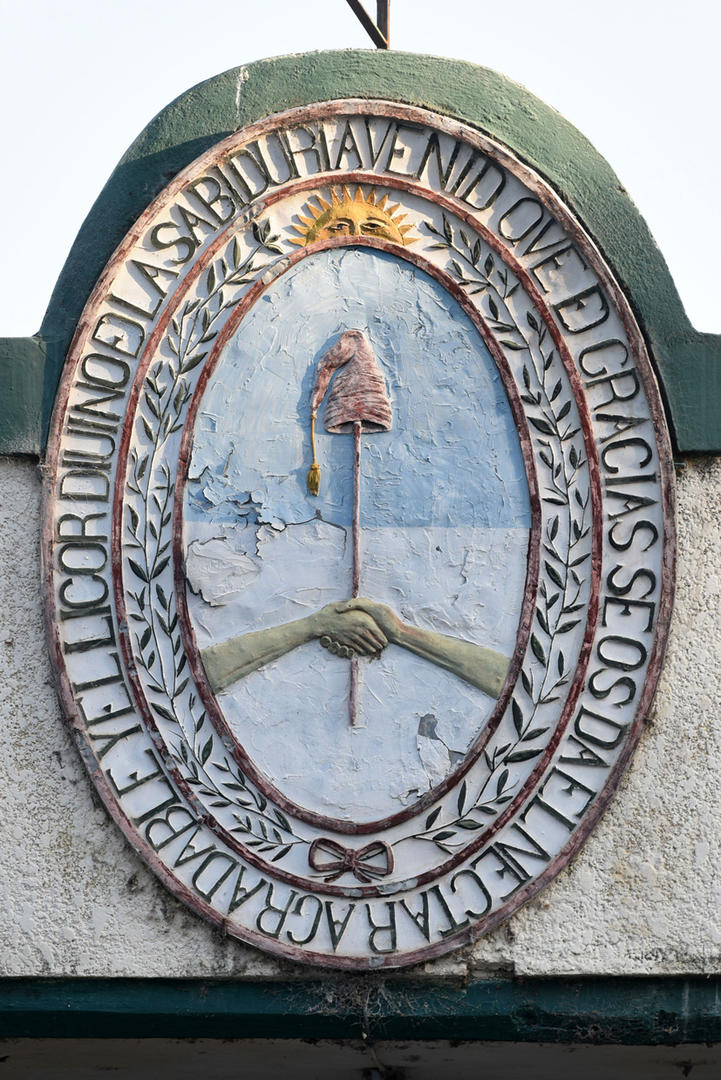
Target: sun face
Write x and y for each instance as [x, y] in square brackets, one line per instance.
[350, 215]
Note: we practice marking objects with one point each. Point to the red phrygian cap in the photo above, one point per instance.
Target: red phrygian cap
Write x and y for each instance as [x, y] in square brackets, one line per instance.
[358, 392]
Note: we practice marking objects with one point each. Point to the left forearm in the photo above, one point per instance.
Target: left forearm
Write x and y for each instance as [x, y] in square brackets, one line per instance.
[234, 659]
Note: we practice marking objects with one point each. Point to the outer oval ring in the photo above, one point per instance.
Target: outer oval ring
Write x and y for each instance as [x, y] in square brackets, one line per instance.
[664, 607]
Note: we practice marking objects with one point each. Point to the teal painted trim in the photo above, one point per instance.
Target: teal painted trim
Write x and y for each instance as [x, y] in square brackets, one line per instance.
[23, 408]
[625, 1011]
[688, 363]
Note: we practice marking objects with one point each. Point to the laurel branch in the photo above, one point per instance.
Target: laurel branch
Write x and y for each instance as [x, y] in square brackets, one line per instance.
[561, 461]
[158, 645]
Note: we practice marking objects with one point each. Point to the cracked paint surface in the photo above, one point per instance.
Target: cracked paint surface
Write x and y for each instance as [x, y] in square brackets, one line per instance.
[444, 519]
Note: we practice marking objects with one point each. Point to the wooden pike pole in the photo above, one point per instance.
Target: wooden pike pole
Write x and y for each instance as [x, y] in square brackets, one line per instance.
[357, 402]
[354, 672]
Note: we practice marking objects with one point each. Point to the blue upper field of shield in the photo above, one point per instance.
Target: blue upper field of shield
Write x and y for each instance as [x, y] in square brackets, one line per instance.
[452, 456]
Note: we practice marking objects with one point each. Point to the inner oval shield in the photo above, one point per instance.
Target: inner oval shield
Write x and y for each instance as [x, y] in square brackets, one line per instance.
[444, 530]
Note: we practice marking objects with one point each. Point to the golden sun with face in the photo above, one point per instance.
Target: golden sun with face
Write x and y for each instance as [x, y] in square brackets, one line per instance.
[350, 215]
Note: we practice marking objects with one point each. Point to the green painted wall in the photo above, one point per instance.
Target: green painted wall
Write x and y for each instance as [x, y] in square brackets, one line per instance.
[688, 362]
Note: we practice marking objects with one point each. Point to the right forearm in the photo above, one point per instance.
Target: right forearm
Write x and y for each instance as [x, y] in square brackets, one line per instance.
[481, 667]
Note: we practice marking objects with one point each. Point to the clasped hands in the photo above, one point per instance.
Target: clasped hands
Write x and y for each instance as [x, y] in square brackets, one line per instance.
[358, 627]
[349, 628]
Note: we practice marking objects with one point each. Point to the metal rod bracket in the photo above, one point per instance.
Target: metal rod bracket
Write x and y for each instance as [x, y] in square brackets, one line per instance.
[378, 31]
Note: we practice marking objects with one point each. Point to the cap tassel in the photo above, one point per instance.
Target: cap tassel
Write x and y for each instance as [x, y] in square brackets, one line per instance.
[314, 471]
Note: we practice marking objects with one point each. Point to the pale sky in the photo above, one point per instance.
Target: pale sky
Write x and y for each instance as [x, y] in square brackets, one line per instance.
[80, 79]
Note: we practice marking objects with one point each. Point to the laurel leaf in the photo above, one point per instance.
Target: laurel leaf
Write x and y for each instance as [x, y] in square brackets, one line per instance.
[523, 755]
[462, 797]
[164, 712]
[541, 424]
[534, 733]
[193, 361]
[553, 574]
[537, 649]
[137, 570]
[161, 566]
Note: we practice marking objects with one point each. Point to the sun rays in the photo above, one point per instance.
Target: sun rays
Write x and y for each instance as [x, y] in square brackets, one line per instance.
[350, 215]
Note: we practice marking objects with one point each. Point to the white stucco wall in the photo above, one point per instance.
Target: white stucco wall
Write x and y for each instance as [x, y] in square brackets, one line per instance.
[641, 897]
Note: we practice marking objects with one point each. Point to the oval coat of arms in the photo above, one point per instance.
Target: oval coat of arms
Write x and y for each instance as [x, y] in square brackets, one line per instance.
[358, 534]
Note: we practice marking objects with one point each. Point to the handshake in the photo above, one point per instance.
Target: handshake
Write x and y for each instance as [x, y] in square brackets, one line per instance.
[357, 627]
[349, 628]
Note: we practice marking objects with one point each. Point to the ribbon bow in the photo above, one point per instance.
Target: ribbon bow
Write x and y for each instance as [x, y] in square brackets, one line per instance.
[339, 860]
